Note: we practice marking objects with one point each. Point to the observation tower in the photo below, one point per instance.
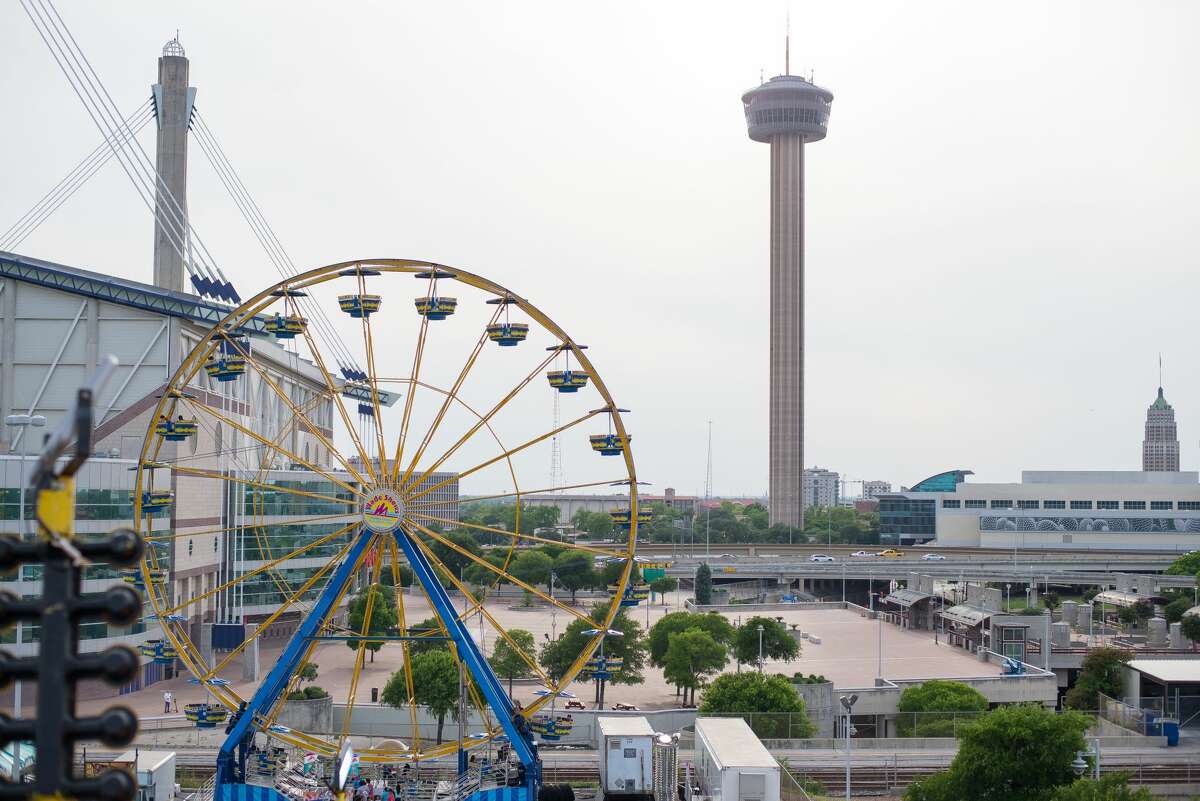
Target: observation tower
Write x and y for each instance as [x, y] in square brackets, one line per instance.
[787, 112]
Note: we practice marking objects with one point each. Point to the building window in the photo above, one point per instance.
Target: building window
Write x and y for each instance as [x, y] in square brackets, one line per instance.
[1054, 504]
[1107, 505]
[1027, 504]
[1081, 504]
[1135, 504]
[1162, 506]
[1001, 504]
[1188, 506]
[190, 546]
[947, 503]
[976, 504]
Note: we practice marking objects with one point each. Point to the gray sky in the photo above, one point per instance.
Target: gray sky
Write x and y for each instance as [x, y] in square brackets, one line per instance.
[999, 225]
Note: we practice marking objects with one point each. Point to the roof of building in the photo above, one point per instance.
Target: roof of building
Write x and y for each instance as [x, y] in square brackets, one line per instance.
[906, 597]
[967, 615]
[1171, 671]
[624, 726]
[1119, 598]
[733, 744]
[1160, 402]
[942, 482]
[121, 291]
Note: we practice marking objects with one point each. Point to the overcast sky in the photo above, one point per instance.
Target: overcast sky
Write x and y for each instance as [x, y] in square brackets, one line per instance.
[1000, 224]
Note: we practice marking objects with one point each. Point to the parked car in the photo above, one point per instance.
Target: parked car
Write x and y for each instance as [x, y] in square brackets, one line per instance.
[933, 557]
[864, 553]
[821, 557]
[621, 707]
[891, 553]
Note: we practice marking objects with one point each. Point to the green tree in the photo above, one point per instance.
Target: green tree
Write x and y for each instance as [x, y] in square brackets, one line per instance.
[1013, 753]
[597, 525]
[1110, 787]
[453, 559]
[574, 571]
[1173, 611]
[507, 660]
[777, 643]
[770, 704]
[558, 655]
[1101, 673]
[931, 708]
[383, 616]
[1186, 565]
[692, 656]
[435, 685]
[703, 584]
[660, 633]
[664, 585]
[531, 567]
[1190, 626]
[536, 517]
[432, 628]
[307, 672]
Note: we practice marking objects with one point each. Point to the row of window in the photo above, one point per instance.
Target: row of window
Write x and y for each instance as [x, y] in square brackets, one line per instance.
[1158, 506]
[806, 116]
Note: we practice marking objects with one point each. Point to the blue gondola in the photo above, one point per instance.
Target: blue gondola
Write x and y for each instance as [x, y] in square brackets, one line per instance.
[175, 430]
[436, 308]
[286, 327]
[552, 727]
[359, 306]
[568, 380]
[225, 367]
[508, 334]
[622, 518]
[634, 593]
[161, 651]
[271, 758]
[609, 444]
[601, 667]
[205, 716]
[157, 499]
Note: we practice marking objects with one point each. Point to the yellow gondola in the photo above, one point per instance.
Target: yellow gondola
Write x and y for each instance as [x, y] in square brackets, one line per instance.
[609, 444]
[157, 499]
[205, 716]
[286, 327]
[436, 308]
[622, 518]
[225, 368]
[175, 430]
[602, 667]
[507, 334]
[135, 577]
[359, 306]
[568, 380]
[161, 651]
[552, 727]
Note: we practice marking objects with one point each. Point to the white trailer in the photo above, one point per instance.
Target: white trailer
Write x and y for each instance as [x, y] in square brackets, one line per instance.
[155, 772]
[626, 749]
[732, 764]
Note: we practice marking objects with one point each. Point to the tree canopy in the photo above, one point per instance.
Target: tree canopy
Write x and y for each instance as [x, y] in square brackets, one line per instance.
[1101, 673]
[770, 704]
[935, 707]
[558, 655]
[383, 616]
[507, 661]
[692, 656]
[436, 642]
[531, 567]
[1186, 565]
[573, 570]
[1013, 753]
[1110, 787]
[703, 589]
[777, 643]
[660, 633]
[435, 685]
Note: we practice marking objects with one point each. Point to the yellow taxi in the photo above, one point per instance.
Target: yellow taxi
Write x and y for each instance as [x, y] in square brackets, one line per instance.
[891, 553]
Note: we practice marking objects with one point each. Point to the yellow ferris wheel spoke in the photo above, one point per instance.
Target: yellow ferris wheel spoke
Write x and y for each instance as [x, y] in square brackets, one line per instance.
[543, 490]
[200, 472]
[492, 413]
[508, 453]
[200, 407]
[516, 535]
[336, 397]
[494, 569]
[297, 521]
[361, 650]
[450, 396]
[408, 400]
[373, 382]
[402, 621]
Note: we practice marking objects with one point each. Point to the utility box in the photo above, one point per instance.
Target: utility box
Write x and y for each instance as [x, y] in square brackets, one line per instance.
[155, 773]
[626, 756]
[732, 764]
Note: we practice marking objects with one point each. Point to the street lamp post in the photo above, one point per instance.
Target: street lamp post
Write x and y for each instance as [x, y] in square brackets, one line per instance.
[848, 702]
[1007, 597]
[760, 650]
[23, 422]
[1080, 765]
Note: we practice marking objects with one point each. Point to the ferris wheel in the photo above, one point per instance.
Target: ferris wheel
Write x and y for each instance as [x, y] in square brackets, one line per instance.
[314, 443]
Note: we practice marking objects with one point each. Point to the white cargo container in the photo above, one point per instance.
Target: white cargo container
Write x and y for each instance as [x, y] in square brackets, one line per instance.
[155, 773]
[732, 764]
[626, 756]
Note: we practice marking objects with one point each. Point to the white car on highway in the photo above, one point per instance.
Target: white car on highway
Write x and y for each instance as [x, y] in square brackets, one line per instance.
[821, 557]
[933, 557]
[864, 553]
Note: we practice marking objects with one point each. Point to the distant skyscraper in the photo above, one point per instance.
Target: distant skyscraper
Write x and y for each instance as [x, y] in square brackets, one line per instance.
[874, 489]
[1160, 448]
[820, 487]
[787, 111]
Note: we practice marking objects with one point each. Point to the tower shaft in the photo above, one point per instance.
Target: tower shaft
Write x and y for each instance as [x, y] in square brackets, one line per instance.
[787, 330]
[173, 107]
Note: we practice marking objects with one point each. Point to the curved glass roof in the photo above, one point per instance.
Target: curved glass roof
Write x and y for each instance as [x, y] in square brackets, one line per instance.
[942, 482]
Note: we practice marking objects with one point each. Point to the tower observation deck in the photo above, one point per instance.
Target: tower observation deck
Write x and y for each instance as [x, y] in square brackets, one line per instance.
[786, 112]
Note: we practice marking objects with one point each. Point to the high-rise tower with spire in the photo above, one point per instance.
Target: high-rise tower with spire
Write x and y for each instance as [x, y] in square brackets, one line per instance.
[1160, 448]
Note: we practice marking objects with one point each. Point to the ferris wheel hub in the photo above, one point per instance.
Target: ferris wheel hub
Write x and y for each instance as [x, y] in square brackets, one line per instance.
[382, 511]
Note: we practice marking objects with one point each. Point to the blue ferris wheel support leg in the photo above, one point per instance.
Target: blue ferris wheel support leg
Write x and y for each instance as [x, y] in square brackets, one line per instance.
[231, 759]
[470, 655]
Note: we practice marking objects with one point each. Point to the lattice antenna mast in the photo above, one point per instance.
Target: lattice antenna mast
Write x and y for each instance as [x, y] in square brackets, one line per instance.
[556, 466]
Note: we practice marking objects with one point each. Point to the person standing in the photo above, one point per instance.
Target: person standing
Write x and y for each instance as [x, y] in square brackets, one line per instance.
[167, 698]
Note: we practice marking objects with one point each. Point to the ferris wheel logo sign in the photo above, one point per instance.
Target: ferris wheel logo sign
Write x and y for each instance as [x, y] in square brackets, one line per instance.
[382, 511]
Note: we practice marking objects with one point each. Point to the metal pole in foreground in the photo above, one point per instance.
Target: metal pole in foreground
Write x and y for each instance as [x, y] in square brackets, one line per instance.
[848, 702]
[760, 657]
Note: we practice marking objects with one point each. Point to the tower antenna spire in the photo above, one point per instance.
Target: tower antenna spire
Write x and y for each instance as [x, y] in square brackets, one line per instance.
[1160, 369]
[787, 44]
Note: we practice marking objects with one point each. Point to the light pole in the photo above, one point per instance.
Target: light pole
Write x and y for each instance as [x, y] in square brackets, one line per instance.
[843, 579]
[848, 702]
[21, 421]
[760, 640]
[1080, 765]
[1007, 597]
